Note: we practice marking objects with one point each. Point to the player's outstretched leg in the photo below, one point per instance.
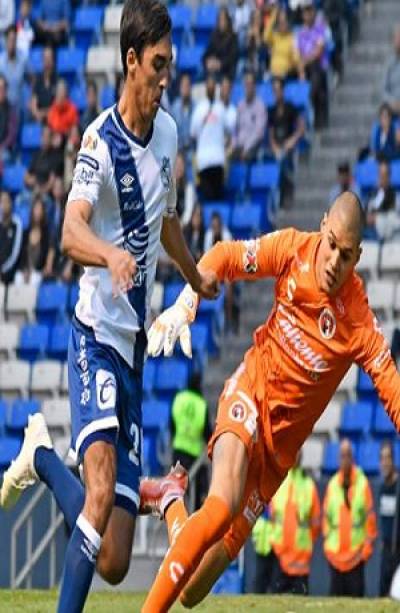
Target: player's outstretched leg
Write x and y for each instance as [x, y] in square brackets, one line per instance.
[37, 461]
[205, 527]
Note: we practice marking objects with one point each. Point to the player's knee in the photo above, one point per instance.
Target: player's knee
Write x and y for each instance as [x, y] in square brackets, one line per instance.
[112, 566]
[115, 574]
[188, 601]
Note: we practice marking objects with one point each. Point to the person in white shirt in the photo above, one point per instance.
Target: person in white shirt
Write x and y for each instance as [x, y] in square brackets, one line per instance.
[208, 128]
[7, 16]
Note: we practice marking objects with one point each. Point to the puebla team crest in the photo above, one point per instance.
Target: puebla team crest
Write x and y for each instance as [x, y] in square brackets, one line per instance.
[327, 324]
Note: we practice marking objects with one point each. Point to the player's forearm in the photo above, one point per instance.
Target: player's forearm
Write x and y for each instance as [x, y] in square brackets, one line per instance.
[81, 244]
[175, 245]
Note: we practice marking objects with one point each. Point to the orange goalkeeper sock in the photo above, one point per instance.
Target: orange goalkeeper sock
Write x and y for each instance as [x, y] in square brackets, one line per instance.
[175, 516]
[199, 532]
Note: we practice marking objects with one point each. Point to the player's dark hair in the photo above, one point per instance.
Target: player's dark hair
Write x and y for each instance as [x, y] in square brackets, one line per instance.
[143, 23]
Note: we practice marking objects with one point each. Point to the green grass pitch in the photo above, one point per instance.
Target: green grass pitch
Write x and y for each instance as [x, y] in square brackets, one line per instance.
[33, 601]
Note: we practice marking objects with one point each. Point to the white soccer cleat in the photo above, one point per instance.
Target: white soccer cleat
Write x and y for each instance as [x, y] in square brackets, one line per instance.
[21, 473]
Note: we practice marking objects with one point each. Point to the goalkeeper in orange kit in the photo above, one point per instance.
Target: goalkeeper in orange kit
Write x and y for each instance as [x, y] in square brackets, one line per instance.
[319, 325]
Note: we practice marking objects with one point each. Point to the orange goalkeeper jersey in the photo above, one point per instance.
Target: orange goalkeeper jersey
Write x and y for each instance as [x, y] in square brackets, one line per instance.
[310, 339]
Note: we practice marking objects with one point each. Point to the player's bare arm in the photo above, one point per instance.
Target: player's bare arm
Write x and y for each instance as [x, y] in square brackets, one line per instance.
[81, 244]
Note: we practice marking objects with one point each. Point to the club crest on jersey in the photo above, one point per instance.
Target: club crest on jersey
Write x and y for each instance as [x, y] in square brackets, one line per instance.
[238, 412]
[166, 172]
[250, 263]
[327, 324]
[90, 142]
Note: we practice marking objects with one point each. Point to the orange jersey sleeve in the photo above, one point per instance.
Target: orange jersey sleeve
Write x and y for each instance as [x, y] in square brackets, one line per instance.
[250, 259]
[372, 353]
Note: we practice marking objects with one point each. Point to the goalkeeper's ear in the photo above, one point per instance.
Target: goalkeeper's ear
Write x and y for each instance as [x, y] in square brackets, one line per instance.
[186, 341]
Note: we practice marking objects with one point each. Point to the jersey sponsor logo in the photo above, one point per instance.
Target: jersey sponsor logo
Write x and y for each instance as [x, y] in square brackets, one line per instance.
[87, 159]
[176, 571]
[250, 263]
[90, 142]
[127, 181]
[327, 324]
[293, 341]
[132, 205]
[254, 507]
[238, 412]
[166, 172]
[106, 389]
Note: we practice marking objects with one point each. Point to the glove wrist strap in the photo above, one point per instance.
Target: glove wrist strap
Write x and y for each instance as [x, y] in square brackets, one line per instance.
[188, 300]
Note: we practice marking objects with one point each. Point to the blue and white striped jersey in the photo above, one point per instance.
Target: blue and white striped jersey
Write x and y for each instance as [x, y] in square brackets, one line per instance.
[130, 185]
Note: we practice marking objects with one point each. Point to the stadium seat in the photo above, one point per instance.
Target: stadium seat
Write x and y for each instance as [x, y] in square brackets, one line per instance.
[87, 26]
[356, 419]
[58, 342]
[237, 180]
[246, 220]
[230, 582]
[171, 376]
[14, 377]
[9, 449]
[298, 94]
[101, 64]
[199, 338]
[19, 411]
[21, 302]
[366, 174]
[204, 23]
[22, 209]
[266, 93]
[365, 387]
[390, 260]
[46, 378]
[190, 60]
[171, 293]
[223, 208]
[112, 19]
[51, 302]
[155, 427]
[3, 416]
[311, 454]
[149, 374]
[35, 60]
[382, 425]
[71, 64]
[330, 463]
[33, 342]
[369, 260]
[9, 333]
[381, 296]
[57, 414]
[395, 174]
[264, 178]
[13, 178]
[31, 138]
[107, 96]
[368, 457]
[78, 97]
[181, 17]
[237, 92]
[329, 421]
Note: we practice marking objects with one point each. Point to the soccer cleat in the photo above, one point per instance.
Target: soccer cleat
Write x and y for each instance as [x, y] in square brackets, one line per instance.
[157, 494]
[21, 473]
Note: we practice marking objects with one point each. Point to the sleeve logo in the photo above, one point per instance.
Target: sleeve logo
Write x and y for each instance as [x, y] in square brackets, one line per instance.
[250, 263]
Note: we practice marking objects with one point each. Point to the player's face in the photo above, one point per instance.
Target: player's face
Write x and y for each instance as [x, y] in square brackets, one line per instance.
[150, 75]
[338, 253]
[386, 463]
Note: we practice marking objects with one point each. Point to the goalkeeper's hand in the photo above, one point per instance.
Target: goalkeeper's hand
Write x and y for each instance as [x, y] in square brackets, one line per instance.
[166, 329]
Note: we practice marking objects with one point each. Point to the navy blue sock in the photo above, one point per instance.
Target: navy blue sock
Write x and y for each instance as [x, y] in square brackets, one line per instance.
[79, 566]
[67, 489]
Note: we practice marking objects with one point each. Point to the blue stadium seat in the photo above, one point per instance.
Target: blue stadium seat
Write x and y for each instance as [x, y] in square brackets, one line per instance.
[190, 60]
[13, 178]
[19, 411]
[33, 342]
[199, 338]
[107, 96]
[22, 208]
[238, 92]
[9, 449]
[383, 426]
[395, 174]
[87, 25]
[73, 297]
[71, 63]
[230, 582]
[171, 375]
[51, 302]
[246, 220]
[171, 293]
[223, 208]
[356, 419]
[264, 178]
[3, 415]
[147, 456]
[365, 387]
[35, 60]
[237, 180]
[266, 93]
[58, 343]
[78, 97]
[298, 93]
[368, 457]
[204, 23]
[181, 17]
[366, 174]
[330, 462]
[396, 449]
[149, 374]
[155, 426]
[31, 138]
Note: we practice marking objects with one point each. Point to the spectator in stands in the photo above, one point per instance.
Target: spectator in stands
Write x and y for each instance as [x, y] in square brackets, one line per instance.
[286, 127]
[296, 517]
[381, 210]
[391, 88]
[8, 123]
[7, 16]
[255, 49]
[43, 167]
[266, 562]
[92, 105]
[216, 232]
[194, 233]
[190, 431]
[335, 12]
[345, 182]
[63, 114]
[389, 509]
[44, 90]
[72, 147]
[55, 205]
[182, 110]
[385, 137]
[284, 55]
[221, 55]
[241, 14]
[251, 123]
[52, 26]
[25, 28]
[225, 93]
[10, 239]
[312, 41]
[185, 192]
[34, 262]
[348, 496]
[208, 128]
[12, 67]
[295, 11]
